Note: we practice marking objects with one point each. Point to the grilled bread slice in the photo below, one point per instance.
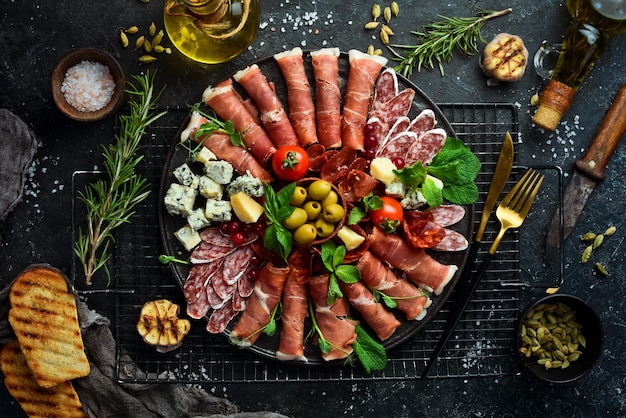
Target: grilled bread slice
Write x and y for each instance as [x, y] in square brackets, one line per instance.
[44, 318]
[59, 401]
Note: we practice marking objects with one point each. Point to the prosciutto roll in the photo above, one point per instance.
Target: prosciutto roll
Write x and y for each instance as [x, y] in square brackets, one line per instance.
[221, 145]
[383, 322]
[327, 96]
[420, 268]
[364, 69]
[301, 107]
[332, 319]
[273, 115]
[228, 105]
[267, 291]
[410, 300]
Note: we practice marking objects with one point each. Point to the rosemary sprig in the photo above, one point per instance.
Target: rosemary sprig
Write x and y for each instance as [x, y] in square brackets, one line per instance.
[437, 41]
[109, 203]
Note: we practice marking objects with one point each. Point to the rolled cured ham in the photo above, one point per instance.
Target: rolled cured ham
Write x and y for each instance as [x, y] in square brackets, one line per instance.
[228, 105]
[273, 115]
[299, 100]
[295, 310]
[409, 299]
[364, 70]
[420, 268]
[221, 145]
[383, 322]
[333, 319]
[267, 292]
[327, 96]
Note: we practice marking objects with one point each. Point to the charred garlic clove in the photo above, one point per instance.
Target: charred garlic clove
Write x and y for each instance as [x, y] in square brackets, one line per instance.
[504, 58]
[159, 325]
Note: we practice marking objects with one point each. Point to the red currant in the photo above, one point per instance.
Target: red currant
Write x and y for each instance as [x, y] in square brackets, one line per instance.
[370, 142]
[224, 228]
[369, 154]
[234, 226]
[238, 238]
[398, 162]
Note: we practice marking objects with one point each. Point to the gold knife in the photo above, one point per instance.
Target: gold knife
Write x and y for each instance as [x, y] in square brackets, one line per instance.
[467, 286]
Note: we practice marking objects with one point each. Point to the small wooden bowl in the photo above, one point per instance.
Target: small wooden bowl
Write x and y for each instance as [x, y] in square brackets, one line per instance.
[93, 55]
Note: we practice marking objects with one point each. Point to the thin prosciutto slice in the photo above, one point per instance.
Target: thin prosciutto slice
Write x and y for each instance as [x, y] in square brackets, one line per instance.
[228, 105]
[420, 268]
[327, 96]
[333, 319]
[221, 145]
[364, 70]
[273, 115]
[409, 299]
[299, 100]
[383, 322]
[267, 292]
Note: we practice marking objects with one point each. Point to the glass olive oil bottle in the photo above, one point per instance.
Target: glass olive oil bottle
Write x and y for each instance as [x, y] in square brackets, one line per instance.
[211, 31]
[595, 21]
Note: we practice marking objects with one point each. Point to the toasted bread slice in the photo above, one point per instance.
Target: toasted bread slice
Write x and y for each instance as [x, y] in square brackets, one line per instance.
[59, 401]
[44, 318]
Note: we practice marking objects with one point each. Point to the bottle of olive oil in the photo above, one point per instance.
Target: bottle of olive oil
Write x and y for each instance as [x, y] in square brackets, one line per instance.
[595, 21]
[211, 31]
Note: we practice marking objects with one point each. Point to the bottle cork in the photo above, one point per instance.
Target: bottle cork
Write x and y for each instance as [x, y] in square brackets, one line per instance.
[554, 102]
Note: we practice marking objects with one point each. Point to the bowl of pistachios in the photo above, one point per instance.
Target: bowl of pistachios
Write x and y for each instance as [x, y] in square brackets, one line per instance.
[559, 338]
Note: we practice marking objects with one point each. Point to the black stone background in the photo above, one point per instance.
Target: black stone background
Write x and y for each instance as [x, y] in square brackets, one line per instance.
[35, 35]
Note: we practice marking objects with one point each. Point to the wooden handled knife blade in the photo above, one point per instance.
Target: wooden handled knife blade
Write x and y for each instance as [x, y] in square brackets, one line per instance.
[589, 171]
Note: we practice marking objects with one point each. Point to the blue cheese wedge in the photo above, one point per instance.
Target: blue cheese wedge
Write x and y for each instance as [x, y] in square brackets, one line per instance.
[209, 188]
[395, 189]
[219, 171]
[205, 155]
[185, 176]
[218, 210]
[248, 184]
[198, 220]
[179, 199]
[413, 200]
[188, 237]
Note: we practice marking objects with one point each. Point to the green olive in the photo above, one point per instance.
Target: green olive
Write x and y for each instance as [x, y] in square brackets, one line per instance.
[323, 228]
[332, 213]
[297, 218]
[330, 199]
[299, 196]
[305, 234]
[319, 189]
[312, 209]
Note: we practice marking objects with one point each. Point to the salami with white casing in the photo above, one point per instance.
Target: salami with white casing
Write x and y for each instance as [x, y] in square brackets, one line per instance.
[447, 215]
[452, 241]
[426, 147]
[219, 319]
[398, 146]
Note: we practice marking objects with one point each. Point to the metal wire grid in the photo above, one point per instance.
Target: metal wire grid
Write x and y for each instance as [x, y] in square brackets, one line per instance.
[482, 344]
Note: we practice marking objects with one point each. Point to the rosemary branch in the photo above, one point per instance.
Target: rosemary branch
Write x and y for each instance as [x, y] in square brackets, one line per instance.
[110, 203]
[437, 41]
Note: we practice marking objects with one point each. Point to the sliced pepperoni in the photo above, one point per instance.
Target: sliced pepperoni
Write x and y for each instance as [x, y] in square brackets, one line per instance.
[426, 147]
[421, 231]
[452, 241]
[446, 215]
[220, 318]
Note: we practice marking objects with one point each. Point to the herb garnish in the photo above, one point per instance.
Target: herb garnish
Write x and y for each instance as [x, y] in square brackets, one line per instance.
[109, 203]
[268, 329]
[438, 40]
[371, 353]
[215, 124]
[277, 238]
[167, 259]
[369, 202]
[332, 258]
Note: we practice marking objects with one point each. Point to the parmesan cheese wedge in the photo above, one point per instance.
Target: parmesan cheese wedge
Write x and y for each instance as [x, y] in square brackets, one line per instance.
[246, 208]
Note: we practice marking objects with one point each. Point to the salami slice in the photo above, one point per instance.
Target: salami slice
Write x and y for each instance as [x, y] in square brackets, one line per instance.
[195, 286]
[398, 126]
[386, 88]
[452, 241]
[223, 289]
[423, 122]
[220, 318]
[245, 284]
[236, 262]
[215, 236]
[398, 146]
[239, 302]
[215, 300]
[209, 253]
[426, 147]
[446, 215]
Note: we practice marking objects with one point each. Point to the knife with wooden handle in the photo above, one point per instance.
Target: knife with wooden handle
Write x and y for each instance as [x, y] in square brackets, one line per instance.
[589, 171]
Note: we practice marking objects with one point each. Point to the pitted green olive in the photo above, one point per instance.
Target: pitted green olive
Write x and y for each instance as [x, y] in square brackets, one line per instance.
[297, 218]
[312, 209]
[330, 199]
[323, 228]
[332, 213]
[319, 189]
[299, 196]
[305, 234]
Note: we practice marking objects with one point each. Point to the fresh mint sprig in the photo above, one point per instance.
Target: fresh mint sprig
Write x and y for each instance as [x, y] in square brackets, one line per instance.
[277, 238]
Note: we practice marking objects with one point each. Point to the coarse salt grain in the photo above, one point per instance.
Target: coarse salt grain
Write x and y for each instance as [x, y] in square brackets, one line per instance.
[88, 86]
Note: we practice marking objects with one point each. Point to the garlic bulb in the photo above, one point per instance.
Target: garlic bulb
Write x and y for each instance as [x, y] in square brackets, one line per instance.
[159, 325]
[504, 58]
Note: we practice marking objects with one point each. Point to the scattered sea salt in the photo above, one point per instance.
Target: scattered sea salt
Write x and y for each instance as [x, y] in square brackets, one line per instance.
[88, 86]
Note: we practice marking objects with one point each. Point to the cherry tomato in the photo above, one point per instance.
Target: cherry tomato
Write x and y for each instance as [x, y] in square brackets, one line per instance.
[390, 216]
[290, 163]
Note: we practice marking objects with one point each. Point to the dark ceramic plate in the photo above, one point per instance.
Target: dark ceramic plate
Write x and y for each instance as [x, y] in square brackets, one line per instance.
[267, 346]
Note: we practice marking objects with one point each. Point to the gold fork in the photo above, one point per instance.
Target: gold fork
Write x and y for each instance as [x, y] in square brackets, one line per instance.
[511, 212]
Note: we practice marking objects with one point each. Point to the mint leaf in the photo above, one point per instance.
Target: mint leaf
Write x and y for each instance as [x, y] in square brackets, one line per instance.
[334, 291]
[432, 193]
[370, 353]
[338, 255]
[328, 250]
[372, 202]
[355, 215]
[348, 273]
[461, 195]
[412, 176]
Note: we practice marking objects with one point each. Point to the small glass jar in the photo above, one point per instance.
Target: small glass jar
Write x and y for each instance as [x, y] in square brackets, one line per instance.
[211, 31]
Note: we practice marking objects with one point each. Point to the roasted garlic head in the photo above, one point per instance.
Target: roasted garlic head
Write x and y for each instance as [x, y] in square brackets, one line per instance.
[505, 58]
[159, 325]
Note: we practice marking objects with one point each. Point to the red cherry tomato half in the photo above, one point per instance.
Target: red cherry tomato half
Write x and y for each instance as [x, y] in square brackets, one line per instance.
[290, 163]
[390, 216]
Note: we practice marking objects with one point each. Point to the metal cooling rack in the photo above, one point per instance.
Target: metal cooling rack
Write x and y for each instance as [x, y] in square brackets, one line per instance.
[482, 345]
